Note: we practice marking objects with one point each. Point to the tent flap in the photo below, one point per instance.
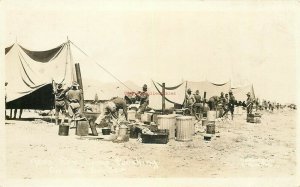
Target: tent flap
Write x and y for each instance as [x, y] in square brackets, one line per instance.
[30, 74]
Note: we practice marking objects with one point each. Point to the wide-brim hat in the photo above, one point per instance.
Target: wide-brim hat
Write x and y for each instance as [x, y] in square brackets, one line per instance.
[248, 93]
[75, 84]
[59, 86]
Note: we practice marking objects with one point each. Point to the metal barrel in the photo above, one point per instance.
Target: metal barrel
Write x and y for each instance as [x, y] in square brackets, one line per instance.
[82, 128]
[184, 128]
[63, 130]
[167, 122]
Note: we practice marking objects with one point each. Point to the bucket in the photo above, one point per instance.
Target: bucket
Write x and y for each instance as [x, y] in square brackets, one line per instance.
[146, 117]
[207, 137]
[134, 131]
[106, 131]
[250, 118]
[211, 115]
[131, 115]
[123, 130]
[82, 128]
[184, 128]
[167, 122]
[63, 130]
[210, 127]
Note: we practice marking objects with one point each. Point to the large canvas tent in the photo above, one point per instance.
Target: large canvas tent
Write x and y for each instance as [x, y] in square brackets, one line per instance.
[30, 75]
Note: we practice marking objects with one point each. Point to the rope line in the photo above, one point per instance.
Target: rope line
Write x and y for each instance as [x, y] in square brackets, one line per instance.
[101, 66]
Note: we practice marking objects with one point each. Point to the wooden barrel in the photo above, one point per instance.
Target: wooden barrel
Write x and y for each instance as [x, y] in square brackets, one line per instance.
[131, 115]
[184, 128]
[82, 128]
[211, 115]
[167, 122]
[210, 127]
[63, 130]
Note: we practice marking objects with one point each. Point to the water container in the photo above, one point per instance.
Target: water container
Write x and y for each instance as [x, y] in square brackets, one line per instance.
[82, 128]
[184, 128]
[210, 127]
[146, 117]
[167, 122]
[131, 115]
[63, 130]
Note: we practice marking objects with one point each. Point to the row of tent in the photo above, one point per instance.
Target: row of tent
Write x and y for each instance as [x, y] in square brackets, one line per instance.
[30, 76]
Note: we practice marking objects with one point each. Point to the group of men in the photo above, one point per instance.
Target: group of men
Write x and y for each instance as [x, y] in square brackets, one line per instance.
[67, 99]
[112, 107]
[224, 103]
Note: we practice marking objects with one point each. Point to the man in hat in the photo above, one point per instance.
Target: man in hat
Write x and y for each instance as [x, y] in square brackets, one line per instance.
[212, 102]
[60, 103]
[249, 103]
[189, 100]
[74, 97]
[143, 97]
[222, 103]
[198, 102]
[111, 109]
[230, 105]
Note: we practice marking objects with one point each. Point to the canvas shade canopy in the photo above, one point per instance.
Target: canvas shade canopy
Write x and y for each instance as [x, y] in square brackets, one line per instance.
[175, 94]
[30, 74]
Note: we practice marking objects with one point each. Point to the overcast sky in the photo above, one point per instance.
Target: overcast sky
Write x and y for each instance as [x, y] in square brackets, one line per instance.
[252, 43]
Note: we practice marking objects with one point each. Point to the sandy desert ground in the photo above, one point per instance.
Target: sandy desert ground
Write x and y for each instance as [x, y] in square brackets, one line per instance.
[34, 150]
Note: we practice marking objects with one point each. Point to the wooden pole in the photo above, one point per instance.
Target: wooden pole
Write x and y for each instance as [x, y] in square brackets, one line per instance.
[79, 80]
[163, 98]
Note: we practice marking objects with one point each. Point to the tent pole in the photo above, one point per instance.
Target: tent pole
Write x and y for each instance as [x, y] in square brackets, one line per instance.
[163, 98]
[79, 80]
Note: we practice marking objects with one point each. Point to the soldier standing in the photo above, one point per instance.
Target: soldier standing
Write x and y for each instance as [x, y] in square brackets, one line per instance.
[60, 103]
[249, 103]
[143, 97]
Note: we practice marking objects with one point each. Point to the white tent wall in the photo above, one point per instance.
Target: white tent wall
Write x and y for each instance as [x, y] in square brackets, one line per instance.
[25, 75]
[240, 93]
[176, 95]
[211, 89]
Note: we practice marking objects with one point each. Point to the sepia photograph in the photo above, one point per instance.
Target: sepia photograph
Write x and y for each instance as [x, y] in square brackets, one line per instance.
[149, 93]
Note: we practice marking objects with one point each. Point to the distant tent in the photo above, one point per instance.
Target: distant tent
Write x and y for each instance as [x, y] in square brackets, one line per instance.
[240, 92]
[211, 89]
[30, 74]
[176, 94]
[106, 91]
